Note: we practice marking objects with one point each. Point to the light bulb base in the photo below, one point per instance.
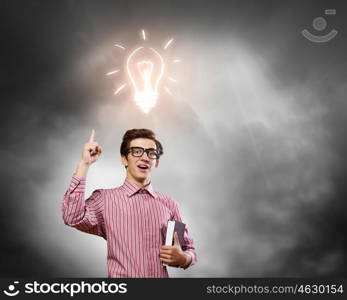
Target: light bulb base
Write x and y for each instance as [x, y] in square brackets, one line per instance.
[146, 100]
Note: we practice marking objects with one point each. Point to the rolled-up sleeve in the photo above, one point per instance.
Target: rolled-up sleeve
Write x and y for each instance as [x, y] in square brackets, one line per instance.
[190, 248]
[85, 215]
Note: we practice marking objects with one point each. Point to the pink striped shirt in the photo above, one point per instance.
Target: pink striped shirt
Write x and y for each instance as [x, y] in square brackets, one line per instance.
[130, 219]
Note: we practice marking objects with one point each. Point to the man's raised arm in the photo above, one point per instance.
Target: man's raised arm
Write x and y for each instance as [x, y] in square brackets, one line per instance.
[84, 215]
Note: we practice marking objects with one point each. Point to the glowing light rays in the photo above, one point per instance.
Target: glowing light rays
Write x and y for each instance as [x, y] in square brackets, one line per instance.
[112, 72]
[168, 44]
[120, 46]
[120, 88]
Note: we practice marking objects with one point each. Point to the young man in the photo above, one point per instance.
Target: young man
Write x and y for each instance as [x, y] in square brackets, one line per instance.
[130, 217]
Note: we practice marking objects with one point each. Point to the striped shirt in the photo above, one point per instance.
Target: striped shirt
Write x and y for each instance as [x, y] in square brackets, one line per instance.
[131, 220]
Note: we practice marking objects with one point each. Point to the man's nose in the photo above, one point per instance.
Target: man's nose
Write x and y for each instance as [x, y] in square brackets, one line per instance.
[145, 156]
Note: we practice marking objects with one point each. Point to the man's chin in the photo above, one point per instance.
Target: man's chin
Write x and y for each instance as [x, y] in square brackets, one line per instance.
[142, 177]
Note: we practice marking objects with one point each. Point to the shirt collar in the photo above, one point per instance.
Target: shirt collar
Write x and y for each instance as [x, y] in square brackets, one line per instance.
[132, 188]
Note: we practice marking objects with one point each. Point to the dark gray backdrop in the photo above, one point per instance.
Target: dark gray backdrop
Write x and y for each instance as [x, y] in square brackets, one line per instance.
[254, 133]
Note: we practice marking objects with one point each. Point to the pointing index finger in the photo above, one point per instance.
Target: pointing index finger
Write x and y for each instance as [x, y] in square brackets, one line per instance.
[92, 136]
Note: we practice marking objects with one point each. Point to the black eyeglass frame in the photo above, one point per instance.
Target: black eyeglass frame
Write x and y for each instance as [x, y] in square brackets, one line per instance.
[130, 150]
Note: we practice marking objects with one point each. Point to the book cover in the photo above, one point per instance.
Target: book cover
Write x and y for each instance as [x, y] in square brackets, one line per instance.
[175, 226]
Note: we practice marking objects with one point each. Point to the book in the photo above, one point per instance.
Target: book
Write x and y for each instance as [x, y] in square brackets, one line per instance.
[175, 226]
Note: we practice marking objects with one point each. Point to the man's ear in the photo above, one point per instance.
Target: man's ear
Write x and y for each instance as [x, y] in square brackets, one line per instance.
[157, 163]
[124, 161]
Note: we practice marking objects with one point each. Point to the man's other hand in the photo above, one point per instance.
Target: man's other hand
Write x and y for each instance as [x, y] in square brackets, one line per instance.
[174, 255]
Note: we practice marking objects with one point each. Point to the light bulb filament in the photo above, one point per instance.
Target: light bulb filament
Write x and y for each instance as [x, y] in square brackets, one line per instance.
[145, 76]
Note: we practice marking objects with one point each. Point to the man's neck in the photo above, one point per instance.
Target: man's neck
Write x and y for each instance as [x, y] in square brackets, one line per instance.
[146, 182]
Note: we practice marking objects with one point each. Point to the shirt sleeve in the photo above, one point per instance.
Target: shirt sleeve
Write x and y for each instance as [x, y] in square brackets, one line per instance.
[84, 215]
[190, 249]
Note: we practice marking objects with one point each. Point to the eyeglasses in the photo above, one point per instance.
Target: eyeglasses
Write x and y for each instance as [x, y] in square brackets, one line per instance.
[138, 152]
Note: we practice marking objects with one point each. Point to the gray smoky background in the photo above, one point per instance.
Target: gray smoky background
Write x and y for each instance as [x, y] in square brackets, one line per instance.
[253, 133]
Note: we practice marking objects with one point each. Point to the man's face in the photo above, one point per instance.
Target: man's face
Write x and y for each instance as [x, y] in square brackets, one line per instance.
[140, 168]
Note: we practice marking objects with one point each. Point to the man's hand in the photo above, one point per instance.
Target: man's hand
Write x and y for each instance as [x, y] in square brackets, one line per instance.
[90, 154]
[91, 150]
[174, 255]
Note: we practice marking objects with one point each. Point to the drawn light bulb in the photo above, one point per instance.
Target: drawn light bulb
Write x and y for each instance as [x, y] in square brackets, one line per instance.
[145, 68]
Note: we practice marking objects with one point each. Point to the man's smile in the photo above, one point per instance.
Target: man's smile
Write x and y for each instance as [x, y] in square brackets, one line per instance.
[143, 167]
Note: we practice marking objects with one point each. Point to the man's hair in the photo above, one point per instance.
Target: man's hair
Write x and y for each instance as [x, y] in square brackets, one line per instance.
[139, 133]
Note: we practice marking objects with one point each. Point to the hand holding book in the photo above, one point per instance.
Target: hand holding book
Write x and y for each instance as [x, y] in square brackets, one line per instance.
[172, 254]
